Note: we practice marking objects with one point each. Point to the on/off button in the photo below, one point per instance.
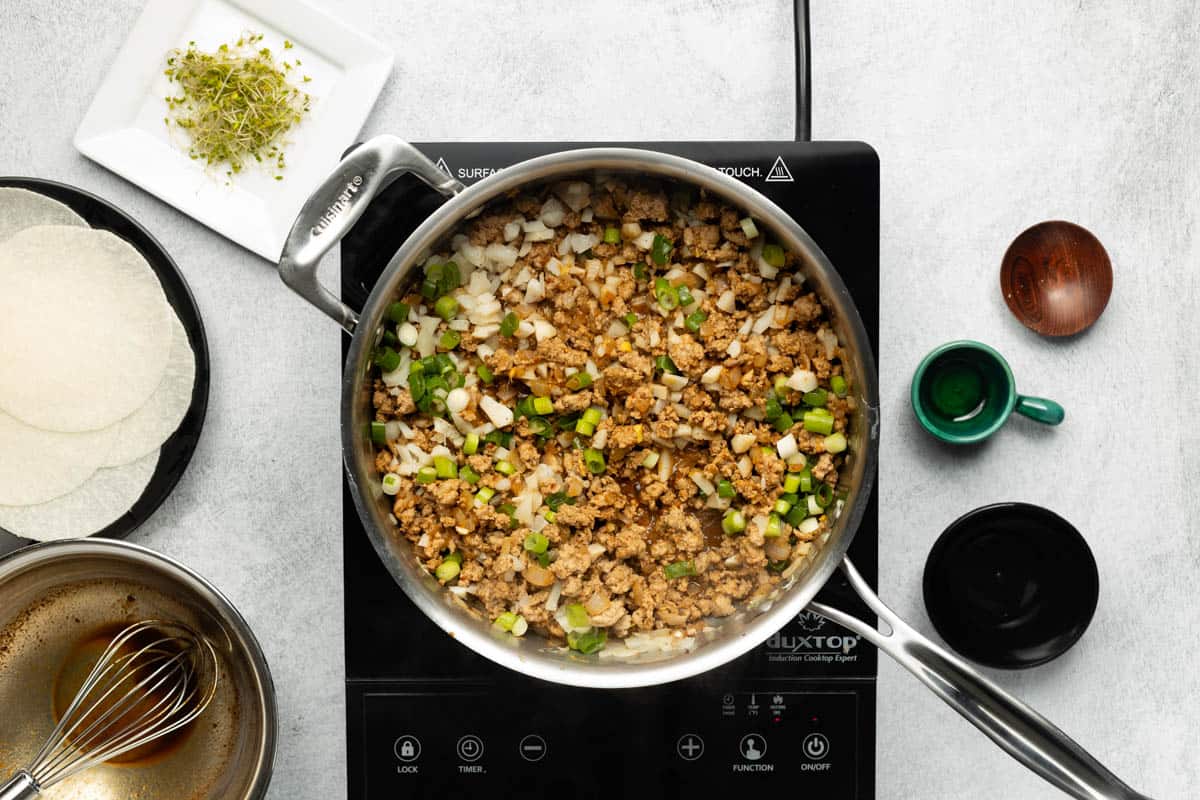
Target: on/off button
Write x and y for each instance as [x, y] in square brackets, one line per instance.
[815, 747]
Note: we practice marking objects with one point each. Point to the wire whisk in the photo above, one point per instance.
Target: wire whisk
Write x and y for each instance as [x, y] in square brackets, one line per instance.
[153, 679]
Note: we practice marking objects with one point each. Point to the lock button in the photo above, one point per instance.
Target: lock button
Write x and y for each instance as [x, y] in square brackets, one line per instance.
[407, 748]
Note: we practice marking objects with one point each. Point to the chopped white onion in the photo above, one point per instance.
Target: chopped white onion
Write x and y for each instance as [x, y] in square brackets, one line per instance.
[704, 483]
[787, 447]
[802, 381]
[456, 401]
[500, 414]
[741, 442]
[727, 302]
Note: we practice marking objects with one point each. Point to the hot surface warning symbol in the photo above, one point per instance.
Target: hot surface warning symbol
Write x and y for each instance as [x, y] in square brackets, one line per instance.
[441, 164]
[779, 172]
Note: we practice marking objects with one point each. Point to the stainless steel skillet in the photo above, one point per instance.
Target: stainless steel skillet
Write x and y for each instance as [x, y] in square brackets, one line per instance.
[332, 211]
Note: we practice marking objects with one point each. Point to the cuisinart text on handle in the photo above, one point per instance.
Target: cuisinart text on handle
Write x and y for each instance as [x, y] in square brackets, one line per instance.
[339, 205]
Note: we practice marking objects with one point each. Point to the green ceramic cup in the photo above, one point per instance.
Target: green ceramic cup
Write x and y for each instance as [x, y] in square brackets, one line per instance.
[964, 391]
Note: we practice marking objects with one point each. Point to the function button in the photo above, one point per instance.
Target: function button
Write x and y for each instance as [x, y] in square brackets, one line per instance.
[470, 748]
[689, 747]
[532, 748]
[815, 747]
[753, 746]
[407, 748]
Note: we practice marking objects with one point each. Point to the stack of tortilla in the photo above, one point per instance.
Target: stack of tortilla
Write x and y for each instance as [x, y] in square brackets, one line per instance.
[96, 371]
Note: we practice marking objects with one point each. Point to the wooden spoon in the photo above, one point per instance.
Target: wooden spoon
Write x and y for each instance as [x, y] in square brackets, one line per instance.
[1056, 278]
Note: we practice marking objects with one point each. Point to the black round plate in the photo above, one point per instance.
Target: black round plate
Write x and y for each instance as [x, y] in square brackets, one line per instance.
[1011, 585]
[177, 450]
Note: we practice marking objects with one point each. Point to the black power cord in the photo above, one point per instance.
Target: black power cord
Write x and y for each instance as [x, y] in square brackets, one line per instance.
[803, 73]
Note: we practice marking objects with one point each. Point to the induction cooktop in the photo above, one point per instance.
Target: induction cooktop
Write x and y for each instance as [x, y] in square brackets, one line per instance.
[427, 717]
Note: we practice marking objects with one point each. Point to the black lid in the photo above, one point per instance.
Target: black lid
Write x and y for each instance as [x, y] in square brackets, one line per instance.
[1011, 585]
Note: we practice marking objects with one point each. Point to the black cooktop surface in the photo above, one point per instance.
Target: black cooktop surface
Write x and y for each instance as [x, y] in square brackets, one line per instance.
[427, 717]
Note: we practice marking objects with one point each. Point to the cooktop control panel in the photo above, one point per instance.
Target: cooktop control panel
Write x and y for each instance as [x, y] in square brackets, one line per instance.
[526, 740]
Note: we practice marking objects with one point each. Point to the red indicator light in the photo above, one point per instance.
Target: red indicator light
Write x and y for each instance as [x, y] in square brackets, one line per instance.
[777, 719]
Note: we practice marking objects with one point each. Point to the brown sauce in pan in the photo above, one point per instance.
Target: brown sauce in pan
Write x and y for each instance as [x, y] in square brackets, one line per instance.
[78, 666]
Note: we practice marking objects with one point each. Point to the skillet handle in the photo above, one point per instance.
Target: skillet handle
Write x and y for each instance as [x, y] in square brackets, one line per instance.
[1020, 731]
[338, 203]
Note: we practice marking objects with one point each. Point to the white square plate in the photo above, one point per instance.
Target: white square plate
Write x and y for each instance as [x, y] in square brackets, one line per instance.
[124, 128]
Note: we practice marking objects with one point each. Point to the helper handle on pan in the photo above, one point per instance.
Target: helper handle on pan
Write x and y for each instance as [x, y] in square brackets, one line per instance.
[338, 203]
[1019, 730]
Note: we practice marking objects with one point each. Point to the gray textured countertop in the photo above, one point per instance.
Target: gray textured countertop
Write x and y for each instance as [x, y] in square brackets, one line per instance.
[987, 117]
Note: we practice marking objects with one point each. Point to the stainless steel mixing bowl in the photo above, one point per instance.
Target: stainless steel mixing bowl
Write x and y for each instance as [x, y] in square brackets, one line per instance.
[54, 597]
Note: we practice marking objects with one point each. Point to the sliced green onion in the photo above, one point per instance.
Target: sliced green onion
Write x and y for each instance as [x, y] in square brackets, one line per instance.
[550, 516]
[838, 384]
[540, 427]
[536, 543]
[630, 320]
[379, 432]
[485, 495]
[725, 489]
[666, 294]
[426, 474]
[773, 255]
[772, 410]
[612, 235]
[816, 398]
[556, 500]
[387, 359]
[579, 381]
[806, 480]
[450, 340]
[543, 405]
[639, 271]
[680, 569]
[835, 443]
[797, 514]
[445, 467]
[499, 438]
[524, 407]
[577, 616]
[544, 559]
[774, 526]
[824, 495]
[784, 422]
[391, 483]
[485, 373]
[509, 325]
[584, 428]
[398, 312]
[660, 250]
[505, 467]
[591, 415]
[818, 423]
[451, 277]
[456, 557]
[588, 643]
[447, 571]
[791, 484]
[567, 422]
[471, 445]
[446, 307]
[733, 522]
[694, 320]
[388, 338]
[748, 227]
[594, 460]
[506, 621]
[790, 499]
[665, 364]
[429, 289]
[511, 510]
[685, 295]
[782, 506]
[467, 474]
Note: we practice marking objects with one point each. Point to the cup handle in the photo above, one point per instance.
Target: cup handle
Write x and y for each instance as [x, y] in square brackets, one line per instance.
[1040, 409]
